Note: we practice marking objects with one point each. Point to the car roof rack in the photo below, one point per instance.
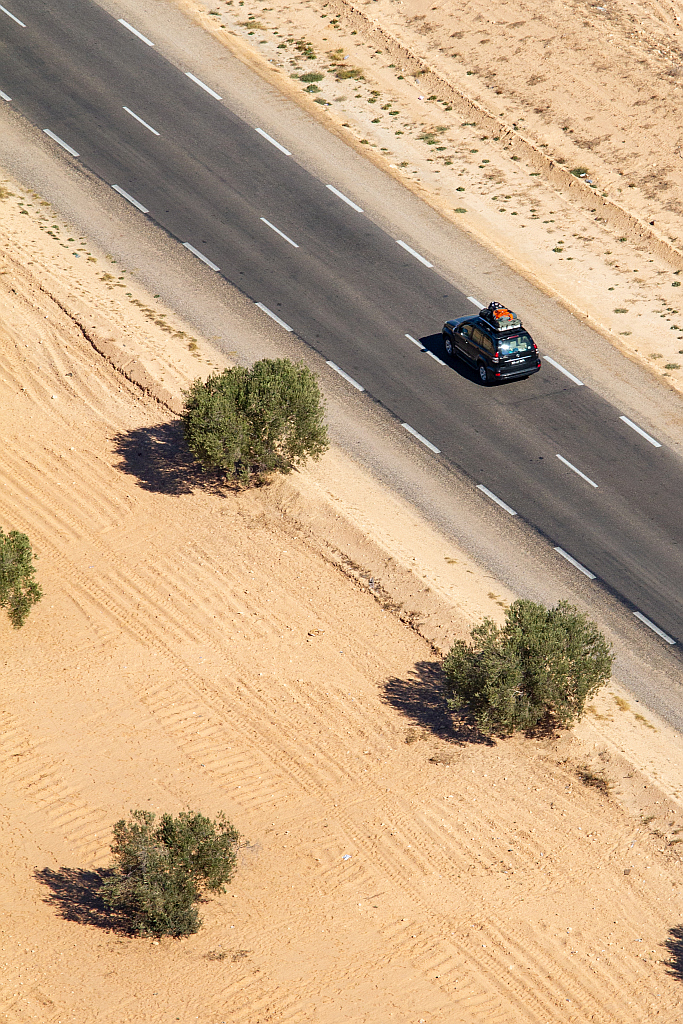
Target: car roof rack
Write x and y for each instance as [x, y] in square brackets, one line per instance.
[500, 317]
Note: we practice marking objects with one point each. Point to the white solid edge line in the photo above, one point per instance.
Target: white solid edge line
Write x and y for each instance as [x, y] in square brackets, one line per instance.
[60, 142]
[435, 358]
[415, 342]
[202, 85]
[475, 302]
[350, 380]
[577, 471]
[274, 316]
[5, 97]
[280, 233]
[655, 629]
[201, 256]
[562, 370]
[349, 202]
[412, 252]
[10, 15]
[141, 208]
[135, 32]
[413, 431]
[273, 142]
[639, 430]
[138, 118]
[494, 497]
[577, 565]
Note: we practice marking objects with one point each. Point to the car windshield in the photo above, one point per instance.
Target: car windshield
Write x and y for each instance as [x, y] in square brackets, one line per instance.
[514, 344]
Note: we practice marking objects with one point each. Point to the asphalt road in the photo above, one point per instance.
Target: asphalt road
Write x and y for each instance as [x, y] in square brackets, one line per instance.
[352, 293]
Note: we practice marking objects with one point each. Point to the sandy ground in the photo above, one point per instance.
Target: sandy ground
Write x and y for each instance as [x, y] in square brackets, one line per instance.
[486, 110]
[273, 654]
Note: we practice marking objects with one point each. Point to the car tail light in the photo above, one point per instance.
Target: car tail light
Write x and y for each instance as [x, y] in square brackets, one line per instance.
[494, 358]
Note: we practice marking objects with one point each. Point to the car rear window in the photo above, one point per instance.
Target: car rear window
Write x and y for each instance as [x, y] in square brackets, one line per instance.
[515, 344]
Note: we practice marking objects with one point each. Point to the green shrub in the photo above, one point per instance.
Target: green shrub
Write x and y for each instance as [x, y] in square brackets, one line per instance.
[256, 421]
[540, 667]
[18, 588]
[312, 76]
[161, 870]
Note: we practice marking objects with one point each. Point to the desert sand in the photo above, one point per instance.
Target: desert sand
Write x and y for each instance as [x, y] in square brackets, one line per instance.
[232, 651]
[272, 654]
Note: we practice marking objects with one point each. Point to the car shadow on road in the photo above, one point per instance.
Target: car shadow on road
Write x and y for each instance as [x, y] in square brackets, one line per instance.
[159, 459]
[434, 343]
[76, 894]
[421, 699]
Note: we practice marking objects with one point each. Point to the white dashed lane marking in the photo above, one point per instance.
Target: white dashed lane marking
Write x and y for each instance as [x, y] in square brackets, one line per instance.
[141, 208]
[412, 252]
[577, 565]
[273, 316]
[143, 123]
[494, 497]
[639, 430]
[135, 32]
[272, 141]
[350, 380]
[562, 370]
[428, 444]
[655, 629]
[60, 142]
[345, 199]
[202, 85]
[10, 15]
[423, 349]
[475, 302]
[201, 256]
[577, 471]
[5, 97]
[280, 233]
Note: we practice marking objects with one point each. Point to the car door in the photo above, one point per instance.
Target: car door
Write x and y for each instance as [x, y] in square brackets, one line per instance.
[479, 346]
[462, 340]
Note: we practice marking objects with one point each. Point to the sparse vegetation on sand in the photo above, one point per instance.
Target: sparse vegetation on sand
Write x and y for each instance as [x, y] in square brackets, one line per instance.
[161, 869]
[19, 590]
[250, 422]
[539, 668]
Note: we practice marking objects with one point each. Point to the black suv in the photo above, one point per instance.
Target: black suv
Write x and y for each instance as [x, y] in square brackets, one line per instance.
[495, 342]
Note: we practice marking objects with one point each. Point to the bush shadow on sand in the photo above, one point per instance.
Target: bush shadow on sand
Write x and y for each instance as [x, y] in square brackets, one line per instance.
[674, 947]
[421, 699]
[76, 895]
[159, 459]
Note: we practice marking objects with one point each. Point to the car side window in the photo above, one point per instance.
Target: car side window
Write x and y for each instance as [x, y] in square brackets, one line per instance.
[482, 340]
[466, 331]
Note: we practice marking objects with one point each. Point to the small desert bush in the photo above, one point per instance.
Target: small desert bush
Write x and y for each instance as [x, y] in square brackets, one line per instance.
[18, 588]
[250, 422]
[539, 668]
[162, 869]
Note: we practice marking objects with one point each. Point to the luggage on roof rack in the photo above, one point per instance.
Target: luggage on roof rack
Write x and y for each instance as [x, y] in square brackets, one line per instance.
[501, 318]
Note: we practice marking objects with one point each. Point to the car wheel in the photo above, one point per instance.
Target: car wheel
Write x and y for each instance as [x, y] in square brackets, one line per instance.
[448, 344]
[483, 373]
